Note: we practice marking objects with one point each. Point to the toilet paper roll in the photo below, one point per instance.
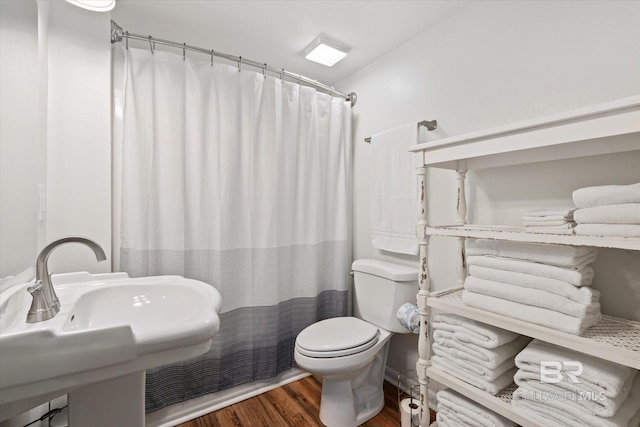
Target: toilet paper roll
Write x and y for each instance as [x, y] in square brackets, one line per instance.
[409, 317]
[409, 412]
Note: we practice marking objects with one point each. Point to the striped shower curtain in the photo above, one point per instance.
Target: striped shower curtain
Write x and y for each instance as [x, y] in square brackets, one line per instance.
[241, 181]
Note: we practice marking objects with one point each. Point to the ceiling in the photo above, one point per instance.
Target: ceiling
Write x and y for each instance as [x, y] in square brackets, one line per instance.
[276, 31]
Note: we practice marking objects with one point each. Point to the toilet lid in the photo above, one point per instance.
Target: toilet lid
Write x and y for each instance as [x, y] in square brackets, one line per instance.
[339, 336]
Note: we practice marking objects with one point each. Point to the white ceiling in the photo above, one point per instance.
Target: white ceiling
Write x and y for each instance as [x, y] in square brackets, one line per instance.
[276, 31]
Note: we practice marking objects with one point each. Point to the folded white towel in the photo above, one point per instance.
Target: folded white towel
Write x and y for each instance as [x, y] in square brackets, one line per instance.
[566, 229]
[539, 316]
[474, 368]
[533, 297]
[551, 213]
[583, 295]
[546, 223]
[393, 190]
[626, 213]
[491, 387]
[466, 412]
[592, 401]
[606, 195]
[559, 255]
[551, 411]
[490, 358]
[576, 277]
[608, 230]
[598, 374]
[469, 331]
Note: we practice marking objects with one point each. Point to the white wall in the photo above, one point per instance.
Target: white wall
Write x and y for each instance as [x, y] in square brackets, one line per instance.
[18, 135]
[494, 63]
[78, 134]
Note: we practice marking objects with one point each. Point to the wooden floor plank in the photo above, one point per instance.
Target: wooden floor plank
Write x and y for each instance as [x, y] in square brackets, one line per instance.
[293, 405]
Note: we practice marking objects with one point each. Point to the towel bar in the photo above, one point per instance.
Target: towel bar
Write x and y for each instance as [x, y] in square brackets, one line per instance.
[429, 124]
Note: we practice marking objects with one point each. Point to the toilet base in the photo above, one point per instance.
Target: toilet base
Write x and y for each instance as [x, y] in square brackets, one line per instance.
[349, 401]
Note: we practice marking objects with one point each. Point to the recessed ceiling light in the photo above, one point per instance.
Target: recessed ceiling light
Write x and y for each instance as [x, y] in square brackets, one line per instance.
[95, 5]
[325, 50]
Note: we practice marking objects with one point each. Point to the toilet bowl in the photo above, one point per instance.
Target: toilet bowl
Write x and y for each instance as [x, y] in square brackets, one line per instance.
[350, 353]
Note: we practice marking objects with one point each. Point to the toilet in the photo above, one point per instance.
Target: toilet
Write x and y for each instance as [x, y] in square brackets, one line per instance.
[350, 353]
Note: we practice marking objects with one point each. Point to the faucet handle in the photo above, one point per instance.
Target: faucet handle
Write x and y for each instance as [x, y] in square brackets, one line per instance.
[41, 307]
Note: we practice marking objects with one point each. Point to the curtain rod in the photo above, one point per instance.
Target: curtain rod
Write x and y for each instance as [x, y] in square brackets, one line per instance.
[118, 34]
[429, 124]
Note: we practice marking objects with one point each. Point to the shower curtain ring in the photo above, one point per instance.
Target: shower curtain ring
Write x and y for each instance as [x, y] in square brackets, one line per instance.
[264, 71]
[282, 75]
[126, 42]
[151, 45]
[240, 63]
[184, 54]
[212, 54]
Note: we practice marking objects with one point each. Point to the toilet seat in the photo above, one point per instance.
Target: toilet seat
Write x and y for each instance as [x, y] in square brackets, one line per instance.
[337, 337]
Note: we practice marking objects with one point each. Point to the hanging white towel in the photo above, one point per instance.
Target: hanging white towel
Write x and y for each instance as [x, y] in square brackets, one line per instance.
[576, 277]
[393, 190]
[626, 213]
[606, 195]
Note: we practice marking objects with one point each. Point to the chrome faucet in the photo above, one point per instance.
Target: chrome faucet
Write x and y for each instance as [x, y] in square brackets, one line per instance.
[45, 304]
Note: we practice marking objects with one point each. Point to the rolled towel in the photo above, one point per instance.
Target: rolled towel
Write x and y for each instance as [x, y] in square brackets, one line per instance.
[554, 412]
[576, 277]
[533, 297]
[566, 214]
[626, 213]
[591, 401]
[606, 195]
[469, 412]
[469, 331]
[491, 387]
[558, 255]
[598, 375]
[490, 358]
[583, 295]
[539, 316]
[608, 230]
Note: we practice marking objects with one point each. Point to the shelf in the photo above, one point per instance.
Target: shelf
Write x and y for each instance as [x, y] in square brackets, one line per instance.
[613, 339]
[501, 403]
[520, 234]
[611, 127]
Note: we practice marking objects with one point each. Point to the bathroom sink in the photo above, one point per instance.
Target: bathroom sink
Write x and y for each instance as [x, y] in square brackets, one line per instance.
[109, 325]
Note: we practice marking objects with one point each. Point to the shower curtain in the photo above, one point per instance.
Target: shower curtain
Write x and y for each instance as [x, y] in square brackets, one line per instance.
[242, 181]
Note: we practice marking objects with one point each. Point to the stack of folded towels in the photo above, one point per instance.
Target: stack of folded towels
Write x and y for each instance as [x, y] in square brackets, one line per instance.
[478, 354]
[608, 210]
[548, 285]
[455, 410]
[549, 221]
[593, 392]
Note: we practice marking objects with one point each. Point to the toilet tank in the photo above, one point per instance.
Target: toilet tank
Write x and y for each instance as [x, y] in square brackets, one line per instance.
[380, 288]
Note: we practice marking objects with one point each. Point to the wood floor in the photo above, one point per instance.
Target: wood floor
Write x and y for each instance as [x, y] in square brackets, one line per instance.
[296, 404]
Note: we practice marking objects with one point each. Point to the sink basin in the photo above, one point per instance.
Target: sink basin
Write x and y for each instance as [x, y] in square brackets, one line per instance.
[109, 325]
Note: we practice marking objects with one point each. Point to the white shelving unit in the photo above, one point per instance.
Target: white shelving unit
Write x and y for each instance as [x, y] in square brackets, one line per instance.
[613, 127]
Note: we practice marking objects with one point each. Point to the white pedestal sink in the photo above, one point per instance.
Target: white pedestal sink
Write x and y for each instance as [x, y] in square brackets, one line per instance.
[109, 330]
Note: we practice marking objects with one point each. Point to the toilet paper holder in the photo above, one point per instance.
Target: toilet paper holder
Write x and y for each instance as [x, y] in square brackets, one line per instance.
[409, 398]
